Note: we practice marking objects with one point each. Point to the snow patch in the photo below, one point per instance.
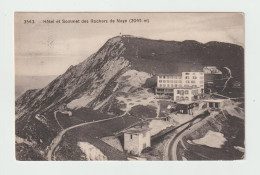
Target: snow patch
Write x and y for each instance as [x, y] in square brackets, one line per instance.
[239, 148]
[211, 139]
[41, 118]
[91, 152]
[136, 159]
[116, 87]
[80, 102]
[184, 158]
[102, 103]
[180, 118]
[22, 140]
[134, 78]
[190, 142]
[158, 125]
[233, 109]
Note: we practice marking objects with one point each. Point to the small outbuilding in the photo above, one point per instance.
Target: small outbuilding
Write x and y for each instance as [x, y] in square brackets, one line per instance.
[185, 107]
[136, 139]
[214, 103]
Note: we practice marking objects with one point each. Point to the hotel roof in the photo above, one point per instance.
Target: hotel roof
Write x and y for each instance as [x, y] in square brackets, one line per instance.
[137, 130]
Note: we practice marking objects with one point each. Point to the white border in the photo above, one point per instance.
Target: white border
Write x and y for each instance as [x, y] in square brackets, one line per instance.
[8, 165]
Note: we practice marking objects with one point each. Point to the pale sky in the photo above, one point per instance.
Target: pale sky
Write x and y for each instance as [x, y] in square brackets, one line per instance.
[49, 49]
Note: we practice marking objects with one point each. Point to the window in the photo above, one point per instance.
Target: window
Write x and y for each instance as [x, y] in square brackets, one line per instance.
[186, 98]
[160, 85]
[186, 92]
[160, 81]
[187, 81]
[194, 77]
[168, 85]
[170, 77]
[192, 81]
[164, 81]
[187, 77]
[131, 136]
[171, 85]
[178, 91]
[171, 81]
[187, 73]
[163, 76]
[168, 81]
[179, 81]
[144, 145]
[160, 76]
[144, 134]
[164, 85]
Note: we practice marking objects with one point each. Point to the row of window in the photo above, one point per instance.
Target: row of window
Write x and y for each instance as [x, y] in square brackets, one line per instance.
[182, 98]
[170, 85]
[179, 85]
[182, 92]
[170, 81]
[193, 73]
[194, 77]
[179, 77]
[193, 81]
[169, 77]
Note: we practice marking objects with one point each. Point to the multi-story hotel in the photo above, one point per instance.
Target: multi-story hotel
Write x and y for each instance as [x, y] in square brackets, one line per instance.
[168, 85]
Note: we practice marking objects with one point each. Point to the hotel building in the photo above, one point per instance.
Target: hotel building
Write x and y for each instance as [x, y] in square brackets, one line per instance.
[190, 83]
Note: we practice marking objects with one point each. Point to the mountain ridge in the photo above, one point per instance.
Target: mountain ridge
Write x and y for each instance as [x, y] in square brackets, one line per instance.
[144, 60]
[121, 67]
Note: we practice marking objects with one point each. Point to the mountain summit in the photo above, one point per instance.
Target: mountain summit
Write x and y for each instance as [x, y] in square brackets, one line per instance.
[123, 65]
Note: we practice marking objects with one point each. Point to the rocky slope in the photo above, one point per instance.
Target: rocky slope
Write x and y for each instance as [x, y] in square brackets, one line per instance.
[122, 69]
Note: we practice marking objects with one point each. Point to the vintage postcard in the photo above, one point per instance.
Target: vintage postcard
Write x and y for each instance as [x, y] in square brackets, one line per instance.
[129, 86]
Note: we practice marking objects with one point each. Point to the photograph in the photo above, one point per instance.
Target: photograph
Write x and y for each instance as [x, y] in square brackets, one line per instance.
[129, 86]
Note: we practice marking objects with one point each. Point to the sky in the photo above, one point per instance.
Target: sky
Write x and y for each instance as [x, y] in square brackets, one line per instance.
[49, 49]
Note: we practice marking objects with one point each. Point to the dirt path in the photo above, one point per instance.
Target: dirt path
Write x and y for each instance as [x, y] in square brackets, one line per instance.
[221, 95]
[230, 76]
[58, 138]
[55, 116]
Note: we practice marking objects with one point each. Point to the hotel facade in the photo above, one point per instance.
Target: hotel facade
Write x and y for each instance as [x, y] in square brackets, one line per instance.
[188, 86]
